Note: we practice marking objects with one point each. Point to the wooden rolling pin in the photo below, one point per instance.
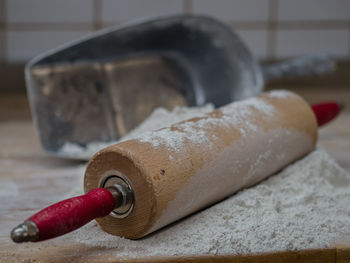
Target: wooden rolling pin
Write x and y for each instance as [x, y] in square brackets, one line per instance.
[170, 173]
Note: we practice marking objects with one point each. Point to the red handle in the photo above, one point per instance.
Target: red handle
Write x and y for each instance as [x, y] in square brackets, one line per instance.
[70, 214]
[326, 111]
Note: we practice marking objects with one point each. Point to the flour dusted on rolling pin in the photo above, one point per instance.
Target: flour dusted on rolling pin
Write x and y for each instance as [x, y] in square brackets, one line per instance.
[175, 137]
[181, 169]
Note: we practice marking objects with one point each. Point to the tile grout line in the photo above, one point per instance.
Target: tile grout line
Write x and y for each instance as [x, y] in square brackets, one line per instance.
[97, 15]
[272, 27]
[248, 25]
[187, 6]
[317, 24]
[112, 24]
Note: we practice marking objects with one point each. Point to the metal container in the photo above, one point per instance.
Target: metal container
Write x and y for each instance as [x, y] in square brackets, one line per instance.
[100, 87]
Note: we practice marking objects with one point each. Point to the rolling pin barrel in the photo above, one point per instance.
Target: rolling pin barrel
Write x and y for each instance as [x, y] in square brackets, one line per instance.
[175, 171]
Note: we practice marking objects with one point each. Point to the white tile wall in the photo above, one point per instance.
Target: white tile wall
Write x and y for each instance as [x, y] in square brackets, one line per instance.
[49, 11]
[233, 10]
[2, 11]
[299, 42]
[256, 40]
[314, 9]
[2, 32]
[121, 10]
[21, 46]
[33, 26]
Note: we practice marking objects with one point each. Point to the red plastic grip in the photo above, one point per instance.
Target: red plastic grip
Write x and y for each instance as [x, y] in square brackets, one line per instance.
[70, 214]
[326, 111]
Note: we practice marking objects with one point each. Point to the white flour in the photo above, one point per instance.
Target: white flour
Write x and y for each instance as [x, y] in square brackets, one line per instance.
[159, 118]
[279, 94]
[304, 206]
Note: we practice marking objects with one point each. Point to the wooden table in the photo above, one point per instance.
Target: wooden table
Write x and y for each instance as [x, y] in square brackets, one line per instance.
[30, 180]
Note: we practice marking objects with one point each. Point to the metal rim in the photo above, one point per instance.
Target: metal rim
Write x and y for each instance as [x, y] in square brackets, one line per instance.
[119, 181]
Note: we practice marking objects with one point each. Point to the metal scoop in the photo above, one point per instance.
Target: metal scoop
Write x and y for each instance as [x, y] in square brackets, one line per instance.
[100, 87]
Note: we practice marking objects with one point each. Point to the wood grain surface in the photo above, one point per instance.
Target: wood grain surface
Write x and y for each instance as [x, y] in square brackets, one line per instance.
[31, 180]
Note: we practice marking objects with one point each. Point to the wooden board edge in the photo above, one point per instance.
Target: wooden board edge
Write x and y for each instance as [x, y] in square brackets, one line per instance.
[303, 256]
[343, 252]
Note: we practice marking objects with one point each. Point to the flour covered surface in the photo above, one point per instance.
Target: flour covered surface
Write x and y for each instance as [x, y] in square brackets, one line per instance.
[304, 206]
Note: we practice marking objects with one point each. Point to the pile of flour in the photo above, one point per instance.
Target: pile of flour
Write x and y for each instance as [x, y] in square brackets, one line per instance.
[159, 118]
[304, 206]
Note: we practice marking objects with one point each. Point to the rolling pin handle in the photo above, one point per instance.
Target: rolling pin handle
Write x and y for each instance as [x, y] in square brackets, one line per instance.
[25, 232]
[67, 215]
[327, 111]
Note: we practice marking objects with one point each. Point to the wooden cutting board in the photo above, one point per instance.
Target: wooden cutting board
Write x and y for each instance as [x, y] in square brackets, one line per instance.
[30, 180]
